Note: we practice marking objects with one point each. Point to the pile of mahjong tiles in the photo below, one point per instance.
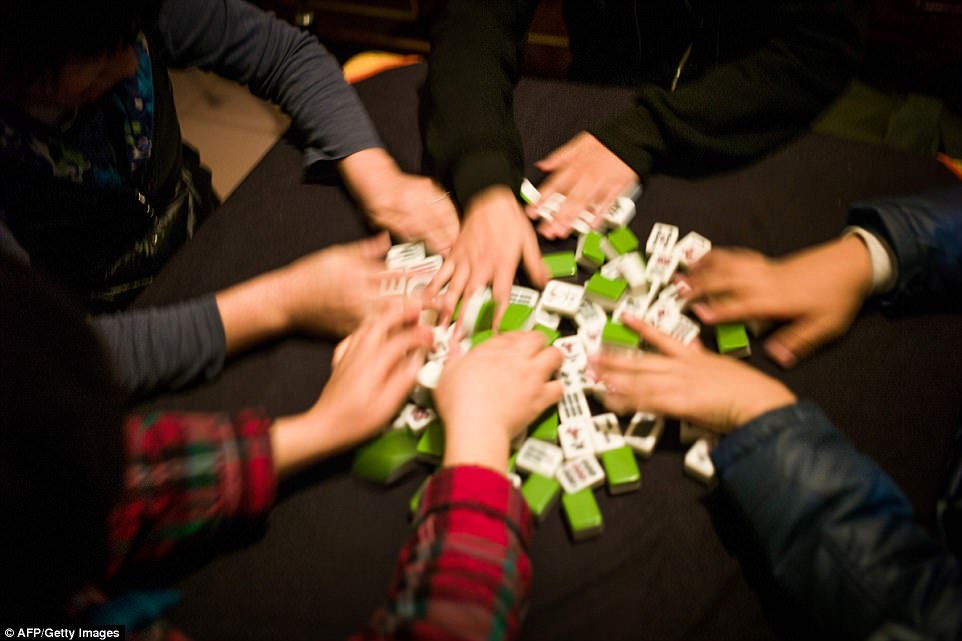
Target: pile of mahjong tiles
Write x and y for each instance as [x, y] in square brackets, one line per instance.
[569, 451]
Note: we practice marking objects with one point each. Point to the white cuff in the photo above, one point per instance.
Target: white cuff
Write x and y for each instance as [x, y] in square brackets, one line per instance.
[884, 268]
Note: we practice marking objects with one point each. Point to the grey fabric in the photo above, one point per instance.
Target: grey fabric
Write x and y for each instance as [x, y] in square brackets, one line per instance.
[278, 63]
[165, 347]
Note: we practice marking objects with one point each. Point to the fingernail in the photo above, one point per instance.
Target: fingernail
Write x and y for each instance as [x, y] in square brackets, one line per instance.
[781, 354]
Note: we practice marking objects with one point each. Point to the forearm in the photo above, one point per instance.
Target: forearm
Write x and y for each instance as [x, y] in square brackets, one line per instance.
[838, 535]
[254, 311]
[465, 573]
[164, 348]
[470, 134]
[278, 62]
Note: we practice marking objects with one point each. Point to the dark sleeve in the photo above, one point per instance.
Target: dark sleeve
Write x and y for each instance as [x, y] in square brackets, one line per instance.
[465, 572]
[278, 63]
[837, 533]
[164, 348]
[470, 133]
[925, 235]
[746, 107]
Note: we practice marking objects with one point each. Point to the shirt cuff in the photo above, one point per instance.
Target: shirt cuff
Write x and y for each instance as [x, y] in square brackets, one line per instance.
[254, 464]
[480, 170]
[482, 491]
[884, 268]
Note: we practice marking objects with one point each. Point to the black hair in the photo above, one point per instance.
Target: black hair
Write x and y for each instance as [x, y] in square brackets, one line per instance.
[38, 36]
[61, 448]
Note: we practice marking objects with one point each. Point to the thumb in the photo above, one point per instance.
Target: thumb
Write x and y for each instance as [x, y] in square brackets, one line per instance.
[373, 247]
[555, 159]
[795, 341]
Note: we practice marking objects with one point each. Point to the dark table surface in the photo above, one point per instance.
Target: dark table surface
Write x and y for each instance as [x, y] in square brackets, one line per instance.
[671, 564]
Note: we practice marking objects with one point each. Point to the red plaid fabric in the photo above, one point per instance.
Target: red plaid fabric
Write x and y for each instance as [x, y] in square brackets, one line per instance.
[185, 474]
[465, 573]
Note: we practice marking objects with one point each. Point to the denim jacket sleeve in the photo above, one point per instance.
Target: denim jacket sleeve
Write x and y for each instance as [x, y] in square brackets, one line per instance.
[837, 534]
[925, 234]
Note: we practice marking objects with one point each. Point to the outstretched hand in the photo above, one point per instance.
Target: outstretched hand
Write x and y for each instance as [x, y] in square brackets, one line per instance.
[816, 292]
[686, 382]
[590, 177]
[496, 237]
[490, 394]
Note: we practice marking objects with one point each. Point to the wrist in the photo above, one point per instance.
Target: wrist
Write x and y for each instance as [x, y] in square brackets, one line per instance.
[369, 174]
[776, 396]
[253, 311]
[858, 263]
[481, 445]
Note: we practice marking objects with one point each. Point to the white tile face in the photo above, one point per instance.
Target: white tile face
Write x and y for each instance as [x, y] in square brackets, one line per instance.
[405, 254]
[663, 315]
[524, 296]
[661, 266]
[605, 441]
[542, 316]
[539, 457]
[662, 238]
[691, 249]
[637, 306]
[562, 298]
[590, 314]
[633, 270]
[575, 354]
[581, 473]
[611, 270]
[688, 432]
[685, 330]
[417, 418]
[529, 192]
[416, 284]
[577, 438]
[621, 212]
[430, 265]
[643, 433]
[698, 463]
[430, 374]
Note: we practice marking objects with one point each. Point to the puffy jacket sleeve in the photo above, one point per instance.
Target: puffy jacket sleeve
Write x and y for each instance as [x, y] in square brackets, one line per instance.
[925, 235]
[838, 535]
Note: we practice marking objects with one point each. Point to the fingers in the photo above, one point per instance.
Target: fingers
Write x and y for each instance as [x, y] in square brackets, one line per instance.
[655, 337]
[533, 261]
[373, 247]
[730, 309]
[722, 270]
[556, 158]
[795, 341]
[501, 291]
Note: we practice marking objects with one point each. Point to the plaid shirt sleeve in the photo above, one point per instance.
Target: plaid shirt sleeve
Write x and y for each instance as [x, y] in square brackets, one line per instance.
[185, 474]
[465, 572]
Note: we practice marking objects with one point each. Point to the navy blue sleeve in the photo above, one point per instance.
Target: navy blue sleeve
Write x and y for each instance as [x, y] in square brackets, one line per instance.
[164, 348]
[837, 533]
[276, 62]
[925, 234]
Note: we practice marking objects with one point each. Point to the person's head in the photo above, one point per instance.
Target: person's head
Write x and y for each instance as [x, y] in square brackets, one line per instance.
[67, 54]
[61, 448]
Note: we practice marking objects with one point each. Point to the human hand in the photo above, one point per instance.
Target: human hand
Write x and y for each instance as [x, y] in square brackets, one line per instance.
[686, 382]
[496, 236]
[409, 206]
[490, 394]
[376, 372]
[588, 175]
[817, 292]
[332, 290]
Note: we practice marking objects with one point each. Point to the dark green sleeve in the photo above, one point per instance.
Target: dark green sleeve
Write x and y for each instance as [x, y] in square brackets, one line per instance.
[741, 109]
[470, 134]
